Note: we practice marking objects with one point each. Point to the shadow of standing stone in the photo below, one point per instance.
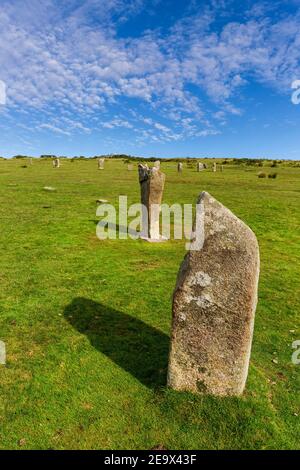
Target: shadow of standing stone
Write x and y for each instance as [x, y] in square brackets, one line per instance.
[135, 346]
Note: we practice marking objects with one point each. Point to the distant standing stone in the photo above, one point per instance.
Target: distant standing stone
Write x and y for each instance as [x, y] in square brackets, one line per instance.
[179, 167]
[200, 166]
[214, 167]
[101, 163]
[2, 353]
[214, 304]
[152, 185]
[102, 201]
[56, 163]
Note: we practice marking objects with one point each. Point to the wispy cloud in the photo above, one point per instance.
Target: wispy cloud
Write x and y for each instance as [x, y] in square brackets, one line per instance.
[65, 60]
[117, 123]
[57, 130]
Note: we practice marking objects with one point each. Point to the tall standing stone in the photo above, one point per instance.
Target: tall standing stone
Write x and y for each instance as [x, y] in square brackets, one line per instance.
[200, 166]
[101, 163]
[2, 353]
[214, 167]
[56, 163]
[179, 167]
[214, 304]
[152, 185]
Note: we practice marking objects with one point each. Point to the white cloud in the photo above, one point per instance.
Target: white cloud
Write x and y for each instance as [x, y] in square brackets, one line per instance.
[56, 61]
[207, 132]
[52, 128]
[2, 93]
[117, 123]
[161, 127]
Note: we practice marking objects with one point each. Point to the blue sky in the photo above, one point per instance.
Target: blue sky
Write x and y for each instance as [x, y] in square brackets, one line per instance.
[163, 78]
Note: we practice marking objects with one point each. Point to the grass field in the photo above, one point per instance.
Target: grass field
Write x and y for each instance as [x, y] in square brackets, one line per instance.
[86, 322]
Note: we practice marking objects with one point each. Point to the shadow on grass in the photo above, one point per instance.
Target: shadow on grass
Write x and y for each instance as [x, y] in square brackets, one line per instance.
[133, 345]
[118, 228]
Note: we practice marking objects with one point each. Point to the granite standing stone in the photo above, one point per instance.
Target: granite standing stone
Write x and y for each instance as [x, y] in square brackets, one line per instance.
[101, 163]
[200, 166]
[2, 353]
[152, 182]
[179, 167]
[214, 304]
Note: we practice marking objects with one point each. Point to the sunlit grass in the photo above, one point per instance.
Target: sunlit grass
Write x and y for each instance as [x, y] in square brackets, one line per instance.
[86, 323]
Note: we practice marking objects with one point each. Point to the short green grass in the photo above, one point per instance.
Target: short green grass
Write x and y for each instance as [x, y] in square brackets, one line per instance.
[86, 322]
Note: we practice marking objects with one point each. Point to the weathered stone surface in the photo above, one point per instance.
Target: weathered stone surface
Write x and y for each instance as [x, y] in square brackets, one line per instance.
[2, 353]
[101, 163]
[179, 167]
[214, 304]
[200, 166]
[214, 167]
[152, 182]
[157, 164]
[56, 163]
